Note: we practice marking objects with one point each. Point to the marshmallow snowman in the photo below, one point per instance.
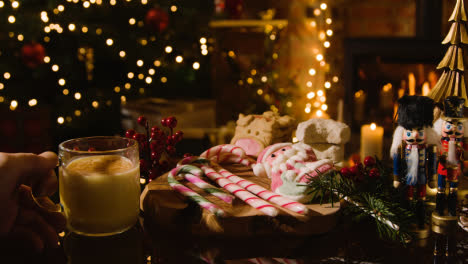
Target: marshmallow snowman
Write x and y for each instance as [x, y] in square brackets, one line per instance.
[290, 167]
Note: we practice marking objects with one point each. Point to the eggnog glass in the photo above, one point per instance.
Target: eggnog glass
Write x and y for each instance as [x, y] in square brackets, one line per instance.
[99, 184]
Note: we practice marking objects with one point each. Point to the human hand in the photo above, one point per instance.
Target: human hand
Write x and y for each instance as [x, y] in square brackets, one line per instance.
[23, 176]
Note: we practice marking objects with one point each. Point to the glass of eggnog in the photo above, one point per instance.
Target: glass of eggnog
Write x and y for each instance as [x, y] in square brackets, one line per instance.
[99, 184]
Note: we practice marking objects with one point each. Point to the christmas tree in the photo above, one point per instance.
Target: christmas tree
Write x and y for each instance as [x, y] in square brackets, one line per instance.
[84, 58]
[453, 78]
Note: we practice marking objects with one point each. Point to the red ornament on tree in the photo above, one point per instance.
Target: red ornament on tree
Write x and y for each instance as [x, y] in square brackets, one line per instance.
[33, 54]
[157, 19]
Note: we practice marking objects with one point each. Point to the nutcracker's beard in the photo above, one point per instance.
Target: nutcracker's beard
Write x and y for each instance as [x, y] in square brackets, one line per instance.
[413, 163]
[451, 153]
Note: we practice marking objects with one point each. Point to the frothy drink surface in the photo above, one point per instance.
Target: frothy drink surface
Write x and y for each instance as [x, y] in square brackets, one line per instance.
[100, 194]
[104, 164]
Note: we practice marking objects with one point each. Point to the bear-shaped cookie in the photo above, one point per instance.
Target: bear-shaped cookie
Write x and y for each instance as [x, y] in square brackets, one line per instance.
[255, 132]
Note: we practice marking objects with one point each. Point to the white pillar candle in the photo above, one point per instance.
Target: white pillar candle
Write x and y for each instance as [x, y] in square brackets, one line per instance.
[371, 140]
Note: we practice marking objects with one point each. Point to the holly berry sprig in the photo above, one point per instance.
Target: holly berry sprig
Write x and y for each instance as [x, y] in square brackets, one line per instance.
[358, 171]
[156, 146]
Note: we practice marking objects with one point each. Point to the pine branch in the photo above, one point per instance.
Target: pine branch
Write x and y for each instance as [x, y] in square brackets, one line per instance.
[368, 197]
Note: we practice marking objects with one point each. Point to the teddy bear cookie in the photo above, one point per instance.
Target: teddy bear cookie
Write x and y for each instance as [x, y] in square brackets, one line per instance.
[326, 137]
[255, 132]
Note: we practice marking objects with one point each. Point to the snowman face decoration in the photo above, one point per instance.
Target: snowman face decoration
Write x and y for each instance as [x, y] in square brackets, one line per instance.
[452, 128]
[416, 136]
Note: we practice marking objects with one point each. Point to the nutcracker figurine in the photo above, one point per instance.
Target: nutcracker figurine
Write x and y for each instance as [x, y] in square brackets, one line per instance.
[413, 159]
[451, 129]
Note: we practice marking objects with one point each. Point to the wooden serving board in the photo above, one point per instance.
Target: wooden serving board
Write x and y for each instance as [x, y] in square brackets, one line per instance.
[168, 210]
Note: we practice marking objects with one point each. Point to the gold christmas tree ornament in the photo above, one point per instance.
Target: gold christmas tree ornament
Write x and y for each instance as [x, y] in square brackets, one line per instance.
[453, 79]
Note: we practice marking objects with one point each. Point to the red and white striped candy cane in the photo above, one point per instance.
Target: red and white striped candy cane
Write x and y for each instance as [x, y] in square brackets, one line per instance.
[274, 261]
[197, 173]
[264, 193]
[227, 153]
[262, 261]
[209, 188]
[288, 261]
[240, 192]
[176, 185]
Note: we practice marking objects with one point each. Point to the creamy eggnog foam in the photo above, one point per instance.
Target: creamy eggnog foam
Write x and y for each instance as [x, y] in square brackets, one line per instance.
[100, 194]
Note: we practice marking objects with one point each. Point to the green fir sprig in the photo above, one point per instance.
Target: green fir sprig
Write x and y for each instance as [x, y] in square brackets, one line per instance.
[369, 194]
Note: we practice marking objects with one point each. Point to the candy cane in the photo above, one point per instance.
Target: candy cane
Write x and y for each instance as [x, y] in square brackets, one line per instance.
[262, 261]
[209, 188]
[240, 192]
[287, 261]
[264, 193]
[176, 185]
[227, 153]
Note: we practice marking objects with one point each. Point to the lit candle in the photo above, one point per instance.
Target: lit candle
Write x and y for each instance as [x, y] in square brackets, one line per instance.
[386, 96]
[359, 104]
[426, 89]
[412, 84]
[371, 140]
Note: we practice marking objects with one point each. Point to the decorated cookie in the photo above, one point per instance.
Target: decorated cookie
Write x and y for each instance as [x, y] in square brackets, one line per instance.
[290, 167]
[255, 132]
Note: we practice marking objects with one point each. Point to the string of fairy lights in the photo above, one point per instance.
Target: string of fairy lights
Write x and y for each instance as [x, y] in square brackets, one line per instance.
[317, 96]
[315, 88]
[148, 67]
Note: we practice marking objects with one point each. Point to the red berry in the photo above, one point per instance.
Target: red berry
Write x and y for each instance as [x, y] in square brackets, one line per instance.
[170, 149]
[175, 139]
[139, 137]
[91, 149]
[76, 148]
[171, 122]
[157, 135]
[369, 161]
[354, 170]
[179, 135]
[186, 155]
[142, 121]
[154, 129]
[374, 173]
[130, 133]
[170, 140]
[164, 122]
[346, 172]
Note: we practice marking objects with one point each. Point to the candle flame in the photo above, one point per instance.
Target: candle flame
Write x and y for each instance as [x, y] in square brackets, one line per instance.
[426, 89]
[373, 126]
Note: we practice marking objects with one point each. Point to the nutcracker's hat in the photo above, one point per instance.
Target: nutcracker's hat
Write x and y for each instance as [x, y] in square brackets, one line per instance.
[415, 111]
[453, 108]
